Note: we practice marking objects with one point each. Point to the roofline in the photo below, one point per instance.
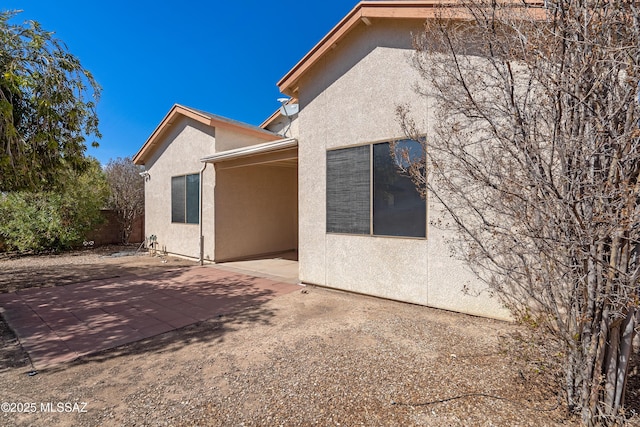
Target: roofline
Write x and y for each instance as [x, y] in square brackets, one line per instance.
[251, 150]
[206, 119]
[362, 13]
[276, 114]
[270, 119]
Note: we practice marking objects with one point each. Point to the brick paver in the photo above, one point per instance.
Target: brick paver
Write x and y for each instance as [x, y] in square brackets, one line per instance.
[59, 324]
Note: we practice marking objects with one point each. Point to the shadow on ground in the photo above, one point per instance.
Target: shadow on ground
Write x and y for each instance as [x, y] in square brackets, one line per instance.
[30, 273]
[12, 355]
[209, 331]
[131, 311]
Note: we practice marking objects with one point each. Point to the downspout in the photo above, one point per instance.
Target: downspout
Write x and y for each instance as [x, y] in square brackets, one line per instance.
[201, 218]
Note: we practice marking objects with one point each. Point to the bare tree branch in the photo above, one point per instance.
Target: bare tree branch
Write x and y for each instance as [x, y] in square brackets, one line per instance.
[535, 155]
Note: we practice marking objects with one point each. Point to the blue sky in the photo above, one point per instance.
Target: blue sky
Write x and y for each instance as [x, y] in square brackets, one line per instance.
[221, 57]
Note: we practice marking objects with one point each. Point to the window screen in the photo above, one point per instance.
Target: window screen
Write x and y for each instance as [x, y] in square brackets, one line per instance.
[348, 190]
[185, 199]
[178, 196]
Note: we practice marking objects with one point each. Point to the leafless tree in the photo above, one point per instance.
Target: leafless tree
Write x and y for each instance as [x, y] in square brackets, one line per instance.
[127, 192]
[535, 155]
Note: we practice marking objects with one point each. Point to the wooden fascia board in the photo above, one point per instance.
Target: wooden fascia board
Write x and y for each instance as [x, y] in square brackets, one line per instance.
[187, 112]
[446, 11]
[402, 13]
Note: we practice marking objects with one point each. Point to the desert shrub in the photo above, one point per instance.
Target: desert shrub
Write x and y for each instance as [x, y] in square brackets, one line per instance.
[54, 220]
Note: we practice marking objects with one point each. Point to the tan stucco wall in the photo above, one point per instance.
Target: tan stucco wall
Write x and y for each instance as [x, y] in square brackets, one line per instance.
[228, 139]
[180, 153]
[256, 211]
[349, 98]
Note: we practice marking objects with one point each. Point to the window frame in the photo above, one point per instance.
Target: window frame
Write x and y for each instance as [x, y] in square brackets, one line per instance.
[185, 201]
[372, 195]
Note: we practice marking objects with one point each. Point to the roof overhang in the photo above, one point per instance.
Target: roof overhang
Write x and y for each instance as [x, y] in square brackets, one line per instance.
[276, 114]
[179, 111]
[258, 150]
[363, 14]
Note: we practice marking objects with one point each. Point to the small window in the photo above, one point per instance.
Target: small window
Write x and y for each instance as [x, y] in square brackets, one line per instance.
[185, 199]
[399, 207]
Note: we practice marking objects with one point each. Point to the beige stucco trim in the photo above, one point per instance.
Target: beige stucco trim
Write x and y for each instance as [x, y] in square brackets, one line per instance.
[178, 111]
[363, 13]
[252, 150]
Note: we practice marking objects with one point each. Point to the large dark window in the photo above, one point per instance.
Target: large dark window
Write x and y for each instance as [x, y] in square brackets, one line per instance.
[185, 199]
[398, 207]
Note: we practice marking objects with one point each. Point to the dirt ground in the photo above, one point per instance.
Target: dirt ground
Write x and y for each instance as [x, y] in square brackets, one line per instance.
[312, 357]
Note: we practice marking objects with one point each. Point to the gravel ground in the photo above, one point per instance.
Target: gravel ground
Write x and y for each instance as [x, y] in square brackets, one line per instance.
[314, 357]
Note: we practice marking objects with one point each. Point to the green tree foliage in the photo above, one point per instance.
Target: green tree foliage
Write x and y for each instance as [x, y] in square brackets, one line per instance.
[54, 220]
[47, 108]
[127, 192]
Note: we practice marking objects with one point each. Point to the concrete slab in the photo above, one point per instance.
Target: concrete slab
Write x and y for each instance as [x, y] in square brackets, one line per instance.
[284, 268]
[59, 324]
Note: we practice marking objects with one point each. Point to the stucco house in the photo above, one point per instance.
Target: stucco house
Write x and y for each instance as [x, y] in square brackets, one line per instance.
[318, 180]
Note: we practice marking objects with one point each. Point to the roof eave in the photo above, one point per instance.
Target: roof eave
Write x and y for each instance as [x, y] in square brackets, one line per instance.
[147, 147]
[362, 12]
[276, 114]
[178, 110]
[364, 9]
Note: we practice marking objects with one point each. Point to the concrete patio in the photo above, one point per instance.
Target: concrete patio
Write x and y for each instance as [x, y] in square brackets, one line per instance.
[59, 324]
[282, 267]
